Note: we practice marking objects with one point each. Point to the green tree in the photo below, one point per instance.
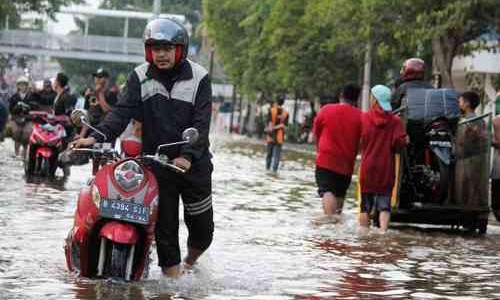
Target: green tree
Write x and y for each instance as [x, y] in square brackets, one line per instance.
[451, 27]
[81, 73]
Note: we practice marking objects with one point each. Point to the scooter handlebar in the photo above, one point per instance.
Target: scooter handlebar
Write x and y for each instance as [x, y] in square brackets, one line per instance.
[165, 162]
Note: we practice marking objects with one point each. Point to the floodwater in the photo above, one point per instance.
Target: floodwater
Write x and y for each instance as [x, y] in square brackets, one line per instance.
[266, 245]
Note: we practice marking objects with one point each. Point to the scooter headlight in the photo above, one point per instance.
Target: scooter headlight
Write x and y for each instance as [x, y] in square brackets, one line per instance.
[96, 197]
[129, 175]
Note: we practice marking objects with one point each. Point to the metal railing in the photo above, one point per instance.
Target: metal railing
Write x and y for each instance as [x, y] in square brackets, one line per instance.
[90, 43]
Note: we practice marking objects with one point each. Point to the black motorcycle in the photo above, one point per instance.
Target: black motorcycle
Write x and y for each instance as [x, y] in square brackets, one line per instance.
[442, 176]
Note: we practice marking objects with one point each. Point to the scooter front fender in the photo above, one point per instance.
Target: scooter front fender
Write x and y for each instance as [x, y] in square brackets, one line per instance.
[122, 233]
[44, 152]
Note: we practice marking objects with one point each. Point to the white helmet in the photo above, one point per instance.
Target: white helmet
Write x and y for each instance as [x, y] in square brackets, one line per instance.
[22, 79]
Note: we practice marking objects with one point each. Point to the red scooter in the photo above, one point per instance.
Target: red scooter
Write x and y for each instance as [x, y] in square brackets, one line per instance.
[45, 143]
[116, 212]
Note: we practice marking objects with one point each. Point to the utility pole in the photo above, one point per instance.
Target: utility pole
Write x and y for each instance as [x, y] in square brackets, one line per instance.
[211, 68]
[365, 103]
[156, 8]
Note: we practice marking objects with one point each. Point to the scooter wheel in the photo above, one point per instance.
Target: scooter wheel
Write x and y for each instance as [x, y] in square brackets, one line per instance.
[116, 261]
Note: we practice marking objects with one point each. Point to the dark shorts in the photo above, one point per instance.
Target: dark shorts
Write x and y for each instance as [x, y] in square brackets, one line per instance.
[495, 194]
[330, 181]
[379, 202]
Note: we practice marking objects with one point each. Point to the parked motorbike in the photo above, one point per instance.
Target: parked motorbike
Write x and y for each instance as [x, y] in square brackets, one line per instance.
[45, 143]
[117, 210]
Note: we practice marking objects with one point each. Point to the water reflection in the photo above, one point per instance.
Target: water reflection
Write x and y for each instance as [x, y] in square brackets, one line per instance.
[266, 245]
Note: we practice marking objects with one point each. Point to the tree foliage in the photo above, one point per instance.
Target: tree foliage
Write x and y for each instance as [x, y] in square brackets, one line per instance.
[313, 47]
[81, 73]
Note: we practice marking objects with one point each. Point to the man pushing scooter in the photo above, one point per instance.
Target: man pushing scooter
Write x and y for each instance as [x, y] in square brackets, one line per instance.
[168, 94]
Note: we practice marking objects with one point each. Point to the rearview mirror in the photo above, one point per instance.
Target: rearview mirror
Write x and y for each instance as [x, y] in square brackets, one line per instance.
[79, 117]
[190, 135]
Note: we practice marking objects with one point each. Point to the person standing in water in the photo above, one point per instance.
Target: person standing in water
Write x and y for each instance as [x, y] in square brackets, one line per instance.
[337, 131]
[277, 121]
[383, 135]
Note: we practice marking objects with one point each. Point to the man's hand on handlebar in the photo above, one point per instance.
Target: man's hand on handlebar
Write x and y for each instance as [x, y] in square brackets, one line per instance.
[82, 143]
[182, 162]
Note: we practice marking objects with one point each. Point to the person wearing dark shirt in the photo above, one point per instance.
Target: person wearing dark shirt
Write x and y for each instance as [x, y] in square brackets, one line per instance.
[382, 136]
[411, 77]
[47, 96]
[337, 131]
[20, 104]
[101, 101]
[64, 103]
[168, 94]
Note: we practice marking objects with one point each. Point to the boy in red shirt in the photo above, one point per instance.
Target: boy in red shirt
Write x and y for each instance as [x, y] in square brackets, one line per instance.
[337, 130]
[382, 136]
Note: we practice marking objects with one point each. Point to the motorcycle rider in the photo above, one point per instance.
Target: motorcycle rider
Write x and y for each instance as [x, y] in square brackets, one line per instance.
[19, 106]
[168, 94]
[411, 76]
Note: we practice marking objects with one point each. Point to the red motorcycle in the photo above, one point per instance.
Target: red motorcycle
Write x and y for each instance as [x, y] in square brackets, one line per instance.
[45, 143]
[116, 212]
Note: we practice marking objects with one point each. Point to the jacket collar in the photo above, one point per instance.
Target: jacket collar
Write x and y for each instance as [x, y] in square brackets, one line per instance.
[182, 72]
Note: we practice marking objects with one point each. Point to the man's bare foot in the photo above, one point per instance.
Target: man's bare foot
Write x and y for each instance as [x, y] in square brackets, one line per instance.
[327, 219]
[172, 272]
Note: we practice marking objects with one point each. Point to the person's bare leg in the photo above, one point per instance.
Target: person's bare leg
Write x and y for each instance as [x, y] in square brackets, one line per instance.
[172, 272]
[329, 203]
[364, 220]
[384, 218]
[192, 256]
[16, 148]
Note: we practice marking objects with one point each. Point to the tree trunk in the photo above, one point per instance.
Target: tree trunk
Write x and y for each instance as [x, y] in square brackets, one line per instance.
[365, 100]
[240, 116]
[233, 106]
[295, 107]
[443, 52]
[246, 120]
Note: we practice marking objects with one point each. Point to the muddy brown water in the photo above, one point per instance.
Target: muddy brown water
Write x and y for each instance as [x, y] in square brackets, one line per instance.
[265, 245]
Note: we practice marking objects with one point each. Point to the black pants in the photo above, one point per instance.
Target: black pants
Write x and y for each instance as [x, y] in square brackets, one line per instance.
[196, 193]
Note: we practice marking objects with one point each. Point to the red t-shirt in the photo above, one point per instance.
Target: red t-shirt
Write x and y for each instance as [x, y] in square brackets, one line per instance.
[382, 136]
[337, 129]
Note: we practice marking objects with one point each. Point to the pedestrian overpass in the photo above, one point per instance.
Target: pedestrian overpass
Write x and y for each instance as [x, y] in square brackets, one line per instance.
[81, 46]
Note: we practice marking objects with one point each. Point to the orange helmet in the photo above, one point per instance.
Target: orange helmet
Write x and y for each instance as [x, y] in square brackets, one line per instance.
[413, 68]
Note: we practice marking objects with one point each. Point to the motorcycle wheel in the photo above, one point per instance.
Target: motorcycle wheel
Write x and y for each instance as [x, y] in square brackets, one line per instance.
[29, 163]
[44, 167]
[115, 265]
[52, 165]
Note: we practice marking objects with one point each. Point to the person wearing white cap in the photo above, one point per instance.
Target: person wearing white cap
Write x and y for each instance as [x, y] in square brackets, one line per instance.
[382, 136]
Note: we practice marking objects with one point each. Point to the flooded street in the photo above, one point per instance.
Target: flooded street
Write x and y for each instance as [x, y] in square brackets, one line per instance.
[265, 246]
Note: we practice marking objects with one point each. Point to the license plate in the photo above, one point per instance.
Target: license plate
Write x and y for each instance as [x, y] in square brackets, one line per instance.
[124, 211]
